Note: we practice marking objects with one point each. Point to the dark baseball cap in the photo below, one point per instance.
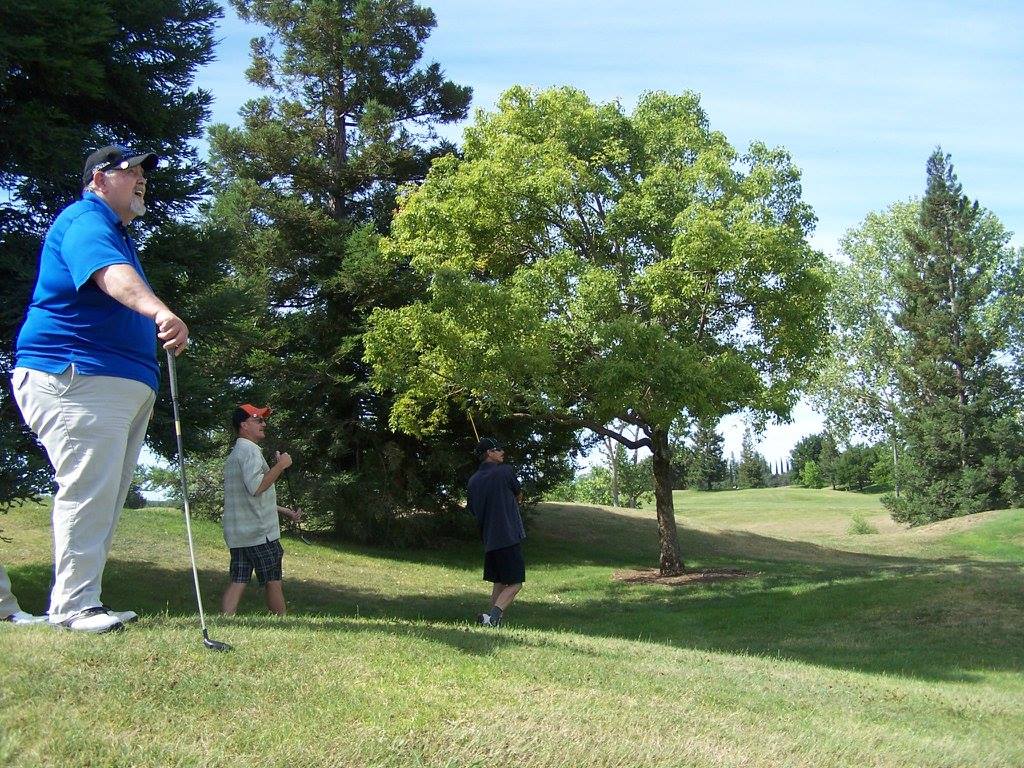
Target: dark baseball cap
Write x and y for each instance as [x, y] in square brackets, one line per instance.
[488, 444]
[109, 158]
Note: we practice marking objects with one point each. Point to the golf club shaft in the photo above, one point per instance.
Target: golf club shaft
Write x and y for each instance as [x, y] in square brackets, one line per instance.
[184, 486]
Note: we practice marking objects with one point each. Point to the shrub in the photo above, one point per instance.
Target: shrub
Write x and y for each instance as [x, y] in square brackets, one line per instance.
[810, 475]
[859, 526]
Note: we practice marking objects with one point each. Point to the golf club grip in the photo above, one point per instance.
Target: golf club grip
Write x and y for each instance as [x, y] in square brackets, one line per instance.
[172, 375]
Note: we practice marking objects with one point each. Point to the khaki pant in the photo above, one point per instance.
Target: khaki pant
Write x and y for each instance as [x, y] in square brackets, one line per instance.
[92, 428]
[8, 602]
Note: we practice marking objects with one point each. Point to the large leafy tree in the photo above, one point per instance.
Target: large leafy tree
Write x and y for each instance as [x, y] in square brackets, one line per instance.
[586, 265]
[75, 77]
[960, 423]
[308, 185]
[858, 387]
[807, 449]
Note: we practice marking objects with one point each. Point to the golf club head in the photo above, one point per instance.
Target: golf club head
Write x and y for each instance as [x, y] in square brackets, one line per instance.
[214, 645]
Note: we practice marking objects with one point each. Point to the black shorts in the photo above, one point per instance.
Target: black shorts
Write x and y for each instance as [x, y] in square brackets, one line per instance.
[505, 565]
[264, 558]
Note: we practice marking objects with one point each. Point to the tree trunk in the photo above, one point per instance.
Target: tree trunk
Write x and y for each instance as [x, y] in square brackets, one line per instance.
[671, 562]
[895, 468]
[613, 457]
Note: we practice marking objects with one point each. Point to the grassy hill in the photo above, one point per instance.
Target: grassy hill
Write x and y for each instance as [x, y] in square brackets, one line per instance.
[901, 648]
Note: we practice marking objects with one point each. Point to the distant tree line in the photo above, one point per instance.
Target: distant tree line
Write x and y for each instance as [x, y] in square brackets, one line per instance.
[698, 464]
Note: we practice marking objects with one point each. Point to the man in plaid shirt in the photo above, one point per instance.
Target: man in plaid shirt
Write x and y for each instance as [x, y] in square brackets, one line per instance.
[251, 528]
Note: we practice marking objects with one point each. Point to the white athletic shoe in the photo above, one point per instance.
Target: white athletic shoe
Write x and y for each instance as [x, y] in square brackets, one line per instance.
[20, 617]
[95, 620]
[125, 617]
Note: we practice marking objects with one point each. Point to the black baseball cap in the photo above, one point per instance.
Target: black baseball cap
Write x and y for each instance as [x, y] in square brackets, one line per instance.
[488, 444]
[109, 158]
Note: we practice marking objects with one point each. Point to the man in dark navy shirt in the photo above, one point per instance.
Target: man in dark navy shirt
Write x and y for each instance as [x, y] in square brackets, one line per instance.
[494, 496]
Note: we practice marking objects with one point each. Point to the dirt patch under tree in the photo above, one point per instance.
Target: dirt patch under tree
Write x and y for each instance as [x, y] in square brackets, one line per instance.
[688, 576]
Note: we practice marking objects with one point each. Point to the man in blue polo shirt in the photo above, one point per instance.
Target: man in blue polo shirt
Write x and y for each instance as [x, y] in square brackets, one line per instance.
[494, 497]
[86, 374]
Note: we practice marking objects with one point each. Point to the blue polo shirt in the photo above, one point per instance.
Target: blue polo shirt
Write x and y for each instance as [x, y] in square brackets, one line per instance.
[70, 320]
[492, 501]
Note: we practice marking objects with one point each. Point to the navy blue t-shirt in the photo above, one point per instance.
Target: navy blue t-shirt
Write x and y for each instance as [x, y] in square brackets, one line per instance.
[70, 320]
[492, 501]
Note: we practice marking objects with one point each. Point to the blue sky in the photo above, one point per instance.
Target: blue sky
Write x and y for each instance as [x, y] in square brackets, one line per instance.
[859, 93]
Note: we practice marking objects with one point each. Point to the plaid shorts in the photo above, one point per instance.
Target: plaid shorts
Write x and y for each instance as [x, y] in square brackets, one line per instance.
[264, 558]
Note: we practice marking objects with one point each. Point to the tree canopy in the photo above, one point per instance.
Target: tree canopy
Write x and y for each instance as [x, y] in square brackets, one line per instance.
[585, 265]
[74, 77]
[961, 416]
[307, 185]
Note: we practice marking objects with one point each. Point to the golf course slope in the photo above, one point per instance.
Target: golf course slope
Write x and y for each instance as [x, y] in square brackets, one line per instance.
[820, 646]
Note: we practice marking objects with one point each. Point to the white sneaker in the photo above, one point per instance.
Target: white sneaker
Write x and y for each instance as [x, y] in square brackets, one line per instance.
[20, 617]
[125, 617]
[94, 620]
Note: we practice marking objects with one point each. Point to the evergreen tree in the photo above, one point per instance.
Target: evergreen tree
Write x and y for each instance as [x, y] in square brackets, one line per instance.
[681, 453]
[963, 440]
[708, 467]
[73, 79]
[308, 185]
[828, 460]
[753, 469]
[854, 466]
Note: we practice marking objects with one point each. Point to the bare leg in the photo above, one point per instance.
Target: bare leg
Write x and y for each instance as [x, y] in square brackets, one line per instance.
[496, 591]
[506, 594]
[229, 603]
[275, 598]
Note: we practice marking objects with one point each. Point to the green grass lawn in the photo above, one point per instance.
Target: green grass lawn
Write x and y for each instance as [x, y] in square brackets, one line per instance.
[901, 648]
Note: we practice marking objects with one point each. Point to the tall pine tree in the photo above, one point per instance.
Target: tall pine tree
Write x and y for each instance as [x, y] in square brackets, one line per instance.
[72, 79]
[308, 185]
[963, 440]
[752, 471]
[707, 466]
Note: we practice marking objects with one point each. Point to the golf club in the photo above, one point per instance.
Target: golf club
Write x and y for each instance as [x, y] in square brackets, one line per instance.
[215, 645]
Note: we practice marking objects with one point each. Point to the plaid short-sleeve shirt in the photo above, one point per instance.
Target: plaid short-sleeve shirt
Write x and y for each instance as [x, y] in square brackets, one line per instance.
[248, 519]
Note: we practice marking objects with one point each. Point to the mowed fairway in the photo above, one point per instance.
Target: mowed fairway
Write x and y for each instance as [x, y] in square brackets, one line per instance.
[901, 648]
